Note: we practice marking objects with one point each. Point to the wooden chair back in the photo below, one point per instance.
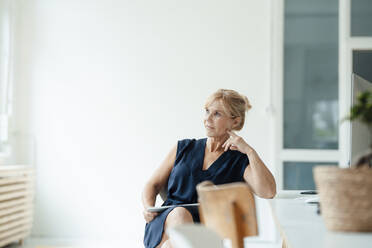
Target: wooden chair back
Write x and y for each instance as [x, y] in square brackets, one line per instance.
[229, 209]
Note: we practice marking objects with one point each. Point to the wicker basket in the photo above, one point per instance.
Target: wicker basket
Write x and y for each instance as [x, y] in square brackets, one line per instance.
[345, 198]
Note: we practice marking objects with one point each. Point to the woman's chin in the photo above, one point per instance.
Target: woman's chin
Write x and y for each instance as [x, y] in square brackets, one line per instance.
[210, 133]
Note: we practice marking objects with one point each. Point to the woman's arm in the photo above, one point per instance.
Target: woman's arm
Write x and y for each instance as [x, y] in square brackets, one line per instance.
[156, 182]
[257, 175]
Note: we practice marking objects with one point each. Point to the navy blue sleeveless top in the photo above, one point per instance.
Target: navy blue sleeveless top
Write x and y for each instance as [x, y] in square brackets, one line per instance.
[187, 172]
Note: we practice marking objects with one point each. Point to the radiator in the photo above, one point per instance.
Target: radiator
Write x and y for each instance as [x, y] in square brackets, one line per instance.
[16, 203]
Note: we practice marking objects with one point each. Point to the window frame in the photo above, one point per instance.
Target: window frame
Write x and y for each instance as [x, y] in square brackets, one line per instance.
[6, 81]
[282, 155]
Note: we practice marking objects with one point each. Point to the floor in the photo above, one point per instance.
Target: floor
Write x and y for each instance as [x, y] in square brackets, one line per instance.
[60, 243]
[64, 243]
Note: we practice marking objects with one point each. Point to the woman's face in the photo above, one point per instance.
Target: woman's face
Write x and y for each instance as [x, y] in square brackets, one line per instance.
[216, 121]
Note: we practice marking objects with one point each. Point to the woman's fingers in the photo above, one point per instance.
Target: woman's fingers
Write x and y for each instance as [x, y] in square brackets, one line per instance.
[145, 215]
[228, 145]
[229, 142]
[233, 136]
[232, 147]
[149, 216]
[152, 215]
[225, 143]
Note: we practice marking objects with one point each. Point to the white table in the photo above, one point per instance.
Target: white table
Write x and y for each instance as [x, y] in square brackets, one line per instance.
[302, 227]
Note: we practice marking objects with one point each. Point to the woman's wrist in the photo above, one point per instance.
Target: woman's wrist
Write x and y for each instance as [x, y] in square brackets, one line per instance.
[148, 203]
[146, 206]
[249, 151]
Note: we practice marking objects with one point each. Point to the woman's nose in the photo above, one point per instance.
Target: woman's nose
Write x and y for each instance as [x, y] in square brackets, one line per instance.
[208, 117]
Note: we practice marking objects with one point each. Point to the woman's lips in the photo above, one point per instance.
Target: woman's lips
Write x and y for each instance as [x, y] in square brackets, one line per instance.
[209, 127]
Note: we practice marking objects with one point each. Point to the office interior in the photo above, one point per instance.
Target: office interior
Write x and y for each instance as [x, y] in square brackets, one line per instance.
[93, 94]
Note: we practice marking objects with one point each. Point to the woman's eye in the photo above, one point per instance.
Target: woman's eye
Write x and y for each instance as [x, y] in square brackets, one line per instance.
[217, 114]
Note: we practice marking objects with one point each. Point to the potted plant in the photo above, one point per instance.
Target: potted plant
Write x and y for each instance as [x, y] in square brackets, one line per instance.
[345, 193]
[362, 111]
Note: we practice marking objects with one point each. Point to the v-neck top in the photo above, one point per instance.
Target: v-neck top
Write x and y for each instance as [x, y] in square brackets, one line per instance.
[187, 172]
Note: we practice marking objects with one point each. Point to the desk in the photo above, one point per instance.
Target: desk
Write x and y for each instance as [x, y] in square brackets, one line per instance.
[302, 227]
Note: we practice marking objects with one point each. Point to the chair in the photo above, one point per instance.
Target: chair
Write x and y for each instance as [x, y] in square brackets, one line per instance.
[228, 209]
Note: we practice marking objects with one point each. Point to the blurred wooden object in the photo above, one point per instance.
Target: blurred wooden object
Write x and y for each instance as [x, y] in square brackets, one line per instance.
[16, 203]
[228, 209]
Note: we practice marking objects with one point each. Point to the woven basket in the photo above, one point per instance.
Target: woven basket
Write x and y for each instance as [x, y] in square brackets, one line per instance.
[345, 198]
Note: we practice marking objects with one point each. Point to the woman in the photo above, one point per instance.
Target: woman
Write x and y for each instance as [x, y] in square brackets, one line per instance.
[223, 157]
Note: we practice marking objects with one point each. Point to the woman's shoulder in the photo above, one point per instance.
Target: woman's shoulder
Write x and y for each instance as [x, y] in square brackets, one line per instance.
[188, 141]
[187, 144]
[191, 140]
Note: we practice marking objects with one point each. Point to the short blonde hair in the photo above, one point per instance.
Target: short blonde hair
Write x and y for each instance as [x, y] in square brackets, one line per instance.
[235, 104]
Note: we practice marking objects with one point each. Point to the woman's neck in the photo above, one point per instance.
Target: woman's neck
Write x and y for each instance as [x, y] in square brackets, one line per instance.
[214, 144]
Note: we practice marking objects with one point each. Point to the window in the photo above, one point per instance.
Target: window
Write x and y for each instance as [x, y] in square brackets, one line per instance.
[310, 88]
[309, 114]
[362, 63]
[361, 18]
[320, 43]
[310, 75]
[298, 175]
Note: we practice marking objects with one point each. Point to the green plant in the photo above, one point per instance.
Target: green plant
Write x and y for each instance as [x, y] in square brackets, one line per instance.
[362, 111]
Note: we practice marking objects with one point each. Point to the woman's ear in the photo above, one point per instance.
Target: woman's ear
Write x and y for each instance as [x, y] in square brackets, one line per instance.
[236, 122]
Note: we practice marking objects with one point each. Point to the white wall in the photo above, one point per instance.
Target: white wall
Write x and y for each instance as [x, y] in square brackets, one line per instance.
[107, 87]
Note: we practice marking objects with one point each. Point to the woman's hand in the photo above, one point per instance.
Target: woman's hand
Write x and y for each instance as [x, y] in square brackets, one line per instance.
[235, 142]
[257, 175]
[149, 216]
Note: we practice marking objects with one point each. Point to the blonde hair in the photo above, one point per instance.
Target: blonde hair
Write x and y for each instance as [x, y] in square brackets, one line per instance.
[234, 104]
